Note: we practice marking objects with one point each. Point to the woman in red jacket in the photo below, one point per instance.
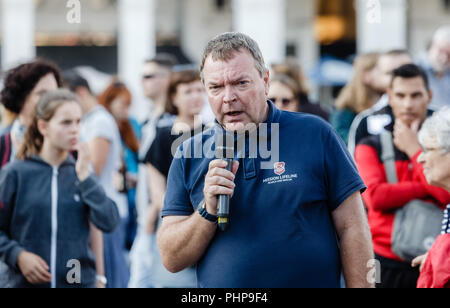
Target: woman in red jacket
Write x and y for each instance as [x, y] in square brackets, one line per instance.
[435, 140]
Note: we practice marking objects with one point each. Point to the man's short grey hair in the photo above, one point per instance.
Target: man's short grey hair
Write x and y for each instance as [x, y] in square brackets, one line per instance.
[224, 46]
[437, 127]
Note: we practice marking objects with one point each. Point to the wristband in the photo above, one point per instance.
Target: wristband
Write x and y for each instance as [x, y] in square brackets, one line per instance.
[101, 279]
[202, 211]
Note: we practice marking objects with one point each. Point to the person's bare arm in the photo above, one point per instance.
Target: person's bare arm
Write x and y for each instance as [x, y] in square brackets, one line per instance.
[96, 241]
[157, 188]
[355, 241]
[183, 240]
[95, 235]
[99, 149]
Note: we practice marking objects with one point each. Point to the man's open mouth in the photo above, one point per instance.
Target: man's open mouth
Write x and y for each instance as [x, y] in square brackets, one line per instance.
[234, 113]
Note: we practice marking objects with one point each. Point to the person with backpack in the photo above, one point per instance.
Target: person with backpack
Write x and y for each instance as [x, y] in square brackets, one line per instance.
[391, 190]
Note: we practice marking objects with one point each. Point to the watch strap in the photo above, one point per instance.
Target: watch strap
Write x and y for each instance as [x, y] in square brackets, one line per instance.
[202, 211]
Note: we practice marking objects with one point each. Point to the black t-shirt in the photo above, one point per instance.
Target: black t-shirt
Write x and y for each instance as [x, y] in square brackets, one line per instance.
[160, 153]
[307, 107]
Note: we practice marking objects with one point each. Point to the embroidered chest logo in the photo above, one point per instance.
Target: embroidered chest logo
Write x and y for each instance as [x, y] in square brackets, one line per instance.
[280, 169]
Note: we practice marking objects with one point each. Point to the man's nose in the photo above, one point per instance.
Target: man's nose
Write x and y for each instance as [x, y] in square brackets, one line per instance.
[230, 94]
[408, 102]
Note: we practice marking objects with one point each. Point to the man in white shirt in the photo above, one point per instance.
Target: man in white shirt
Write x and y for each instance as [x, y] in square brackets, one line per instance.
[155, 82]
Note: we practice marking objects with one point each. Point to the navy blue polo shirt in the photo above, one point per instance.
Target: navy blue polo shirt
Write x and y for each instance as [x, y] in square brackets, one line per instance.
[281, 231]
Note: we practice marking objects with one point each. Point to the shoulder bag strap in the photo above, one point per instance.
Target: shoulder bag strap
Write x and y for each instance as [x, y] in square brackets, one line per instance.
[388, 156]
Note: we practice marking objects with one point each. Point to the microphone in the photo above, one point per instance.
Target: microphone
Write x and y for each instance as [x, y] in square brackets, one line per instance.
[224, 151]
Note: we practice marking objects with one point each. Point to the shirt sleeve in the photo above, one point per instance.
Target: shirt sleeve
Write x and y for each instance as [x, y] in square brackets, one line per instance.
[9, 249]
[342, 176]
[177, 201]
[103, 211]
[104, 128]
[157, 155]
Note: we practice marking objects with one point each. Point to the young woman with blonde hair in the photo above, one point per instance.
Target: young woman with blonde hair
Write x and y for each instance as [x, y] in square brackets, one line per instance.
[358, 95]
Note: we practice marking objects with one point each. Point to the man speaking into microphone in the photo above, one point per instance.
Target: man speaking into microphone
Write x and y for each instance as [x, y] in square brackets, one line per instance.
[299, 223]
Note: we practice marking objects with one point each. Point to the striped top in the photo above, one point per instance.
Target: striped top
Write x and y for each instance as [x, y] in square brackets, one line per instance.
[446, 221]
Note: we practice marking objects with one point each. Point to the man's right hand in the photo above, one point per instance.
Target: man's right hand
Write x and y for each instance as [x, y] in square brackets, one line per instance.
[218, 181]
[34, 268]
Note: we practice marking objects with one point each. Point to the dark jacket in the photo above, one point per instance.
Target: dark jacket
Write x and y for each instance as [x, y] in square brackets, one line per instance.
[45, 210]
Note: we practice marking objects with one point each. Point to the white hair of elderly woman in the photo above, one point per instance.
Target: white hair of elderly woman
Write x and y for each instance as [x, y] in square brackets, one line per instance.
[437, 127]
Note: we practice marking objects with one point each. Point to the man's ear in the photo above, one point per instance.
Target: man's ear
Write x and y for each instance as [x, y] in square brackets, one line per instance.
[42, 127]
[430, 96]
[267, 82]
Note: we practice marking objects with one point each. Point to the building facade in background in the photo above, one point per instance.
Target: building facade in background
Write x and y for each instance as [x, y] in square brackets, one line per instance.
[115, 36]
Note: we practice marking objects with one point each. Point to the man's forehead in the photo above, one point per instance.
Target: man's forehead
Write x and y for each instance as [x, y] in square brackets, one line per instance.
[239, 66]
[415, 84]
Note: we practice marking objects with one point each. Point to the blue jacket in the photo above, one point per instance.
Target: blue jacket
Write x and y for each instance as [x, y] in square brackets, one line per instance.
[45, 210]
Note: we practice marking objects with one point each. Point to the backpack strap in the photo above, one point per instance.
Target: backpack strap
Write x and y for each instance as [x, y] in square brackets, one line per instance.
[388, 156]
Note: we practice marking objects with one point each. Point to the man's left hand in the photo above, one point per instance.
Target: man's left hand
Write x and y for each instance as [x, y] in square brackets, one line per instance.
[405, 137]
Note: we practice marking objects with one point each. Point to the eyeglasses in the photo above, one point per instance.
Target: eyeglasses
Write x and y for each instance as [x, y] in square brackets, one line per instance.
[284, 101]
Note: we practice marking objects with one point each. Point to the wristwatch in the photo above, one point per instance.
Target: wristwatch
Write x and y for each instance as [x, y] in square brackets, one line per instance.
[202, 211]
[101, 279]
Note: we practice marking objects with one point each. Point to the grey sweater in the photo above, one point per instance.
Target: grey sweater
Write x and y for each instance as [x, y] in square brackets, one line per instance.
[46, 211]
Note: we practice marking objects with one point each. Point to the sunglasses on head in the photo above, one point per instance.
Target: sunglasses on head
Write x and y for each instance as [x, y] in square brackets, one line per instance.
[284, 101]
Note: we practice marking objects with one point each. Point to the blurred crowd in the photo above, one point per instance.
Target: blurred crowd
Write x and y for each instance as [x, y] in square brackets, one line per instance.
[384, 105]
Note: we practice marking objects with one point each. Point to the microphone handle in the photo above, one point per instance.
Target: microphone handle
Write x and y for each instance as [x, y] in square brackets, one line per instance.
[224, 204]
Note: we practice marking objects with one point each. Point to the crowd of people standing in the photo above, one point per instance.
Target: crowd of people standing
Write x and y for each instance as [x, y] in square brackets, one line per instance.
[82, 180]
